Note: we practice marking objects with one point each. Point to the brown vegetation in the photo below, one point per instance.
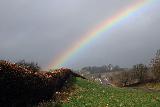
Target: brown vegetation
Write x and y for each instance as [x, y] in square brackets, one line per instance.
[20, 86]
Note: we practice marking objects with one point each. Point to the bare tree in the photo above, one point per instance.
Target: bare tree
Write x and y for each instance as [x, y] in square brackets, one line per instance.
[155, 65]
[140, 72]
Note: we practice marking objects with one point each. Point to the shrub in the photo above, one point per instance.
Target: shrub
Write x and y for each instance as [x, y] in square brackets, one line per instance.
[22, 87]
[29, 65]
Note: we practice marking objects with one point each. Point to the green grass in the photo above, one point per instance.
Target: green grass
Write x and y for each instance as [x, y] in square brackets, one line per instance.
[89, 94]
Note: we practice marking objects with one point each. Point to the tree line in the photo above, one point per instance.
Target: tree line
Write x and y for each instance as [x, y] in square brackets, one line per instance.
[140, 73]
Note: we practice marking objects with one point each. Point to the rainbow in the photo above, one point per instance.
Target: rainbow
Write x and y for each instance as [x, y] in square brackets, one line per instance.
[97, 31]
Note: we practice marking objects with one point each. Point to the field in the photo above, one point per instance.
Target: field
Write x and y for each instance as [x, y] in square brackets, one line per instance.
[89, 94]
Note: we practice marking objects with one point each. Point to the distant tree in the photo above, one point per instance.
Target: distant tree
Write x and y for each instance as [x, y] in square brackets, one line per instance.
[121, 79]
[124, 78]
[110, 67]
[140, 71]
[29, 65]
[155, 65]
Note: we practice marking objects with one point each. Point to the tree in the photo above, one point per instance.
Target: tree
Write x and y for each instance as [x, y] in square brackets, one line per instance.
[124, 78]
[155, 65]
[121, 79]
[110, 67]
[140, 71]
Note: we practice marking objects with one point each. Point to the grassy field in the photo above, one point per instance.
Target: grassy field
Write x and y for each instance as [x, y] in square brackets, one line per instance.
[88, 94]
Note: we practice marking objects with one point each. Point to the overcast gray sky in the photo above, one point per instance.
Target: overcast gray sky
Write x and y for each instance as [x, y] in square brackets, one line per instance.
[40, 30]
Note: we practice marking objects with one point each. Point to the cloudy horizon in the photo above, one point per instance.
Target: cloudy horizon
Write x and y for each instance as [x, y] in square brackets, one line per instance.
[37, 30]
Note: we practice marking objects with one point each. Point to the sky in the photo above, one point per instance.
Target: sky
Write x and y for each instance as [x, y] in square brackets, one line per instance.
[40, 30]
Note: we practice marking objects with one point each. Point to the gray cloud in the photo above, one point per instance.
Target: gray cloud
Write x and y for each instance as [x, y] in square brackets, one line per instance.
[41, 29]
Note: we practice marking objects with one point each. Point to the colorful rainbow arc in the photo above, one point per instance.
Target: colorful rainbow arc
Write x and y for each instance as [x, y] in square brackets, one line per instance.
[103, 27]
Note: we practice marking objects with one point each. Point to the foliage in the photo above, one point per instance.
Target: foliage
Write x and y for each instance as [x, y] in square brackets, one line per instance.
[29, 65]
[20, 86]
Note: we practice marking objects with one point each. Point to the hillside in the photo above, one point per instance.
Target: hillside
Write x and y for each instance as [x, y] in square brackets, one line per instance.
[89, 94]
[64, 88]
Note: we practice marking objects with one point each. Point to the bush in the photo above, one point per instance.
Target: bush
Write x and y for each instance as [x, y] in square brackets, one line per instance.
[20, 87]
[29, 65]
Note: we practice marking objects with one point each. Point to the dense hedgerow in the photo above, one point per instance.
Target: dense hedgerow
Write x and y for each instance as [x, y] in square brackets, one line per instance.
[22, 87]
[29, 65]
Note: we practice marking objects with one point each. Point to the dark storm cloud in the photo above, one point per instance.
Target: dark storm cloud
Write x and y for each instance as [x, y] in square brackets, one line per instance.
[41, 29]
